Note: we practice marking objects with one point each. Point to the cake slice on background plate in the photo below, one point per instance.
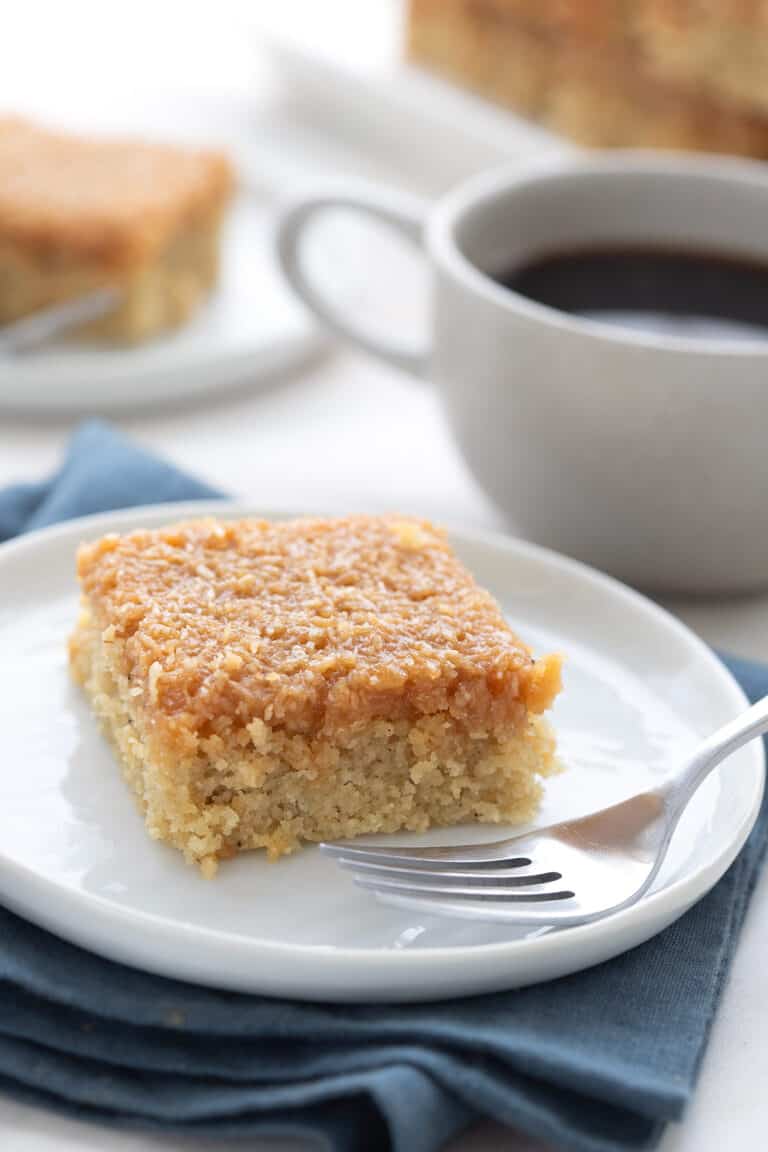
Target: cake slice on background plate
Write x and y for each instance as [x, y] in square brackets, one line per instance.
[78, 214]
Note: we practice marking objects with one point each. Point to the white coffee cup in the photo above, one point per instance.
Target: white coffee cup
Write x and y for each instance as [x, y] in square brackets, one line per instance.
[643, 453]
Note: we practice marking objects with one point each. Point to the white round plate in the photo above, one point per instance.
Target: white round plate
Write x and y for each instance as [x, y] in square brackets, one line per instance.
[74, 856]
[251, 329]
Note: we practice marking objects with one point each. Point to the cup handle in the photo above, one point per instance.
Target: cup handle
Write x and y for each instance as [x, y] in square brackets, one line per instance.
[405, 214]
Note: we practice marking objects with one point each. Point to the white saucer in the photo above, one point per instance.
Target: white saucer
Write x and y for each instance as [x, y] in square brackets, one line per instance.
[251, 329]
[74, 856]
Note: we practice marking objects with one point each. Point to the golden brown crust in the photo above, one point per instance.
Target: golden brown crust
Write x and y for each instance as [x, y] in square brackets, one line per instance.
[309, 626]
[114, 202]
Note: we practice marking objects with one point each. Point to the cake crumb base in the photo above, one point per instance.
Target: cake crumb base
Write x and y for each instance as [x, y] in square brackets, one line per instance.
[273, 790]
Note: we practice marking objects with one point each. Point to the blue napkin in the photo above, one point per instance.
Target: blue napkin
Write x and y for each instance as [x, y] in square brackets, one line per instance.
[594, 1062]
[102, 471]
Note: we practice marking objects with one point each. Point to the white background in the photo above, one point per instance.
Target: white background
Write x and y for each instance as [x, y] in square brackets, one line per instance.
[347, 435]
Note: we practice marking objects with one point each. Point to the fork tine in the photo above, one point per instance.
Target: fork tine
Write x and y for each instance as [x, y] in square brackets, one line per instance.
[442, 892]
[509, 877]
[495, 855]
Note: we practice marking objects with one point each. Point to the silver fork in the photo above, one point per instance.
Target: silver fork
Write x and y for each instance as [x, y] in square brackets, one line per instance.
[566, 874]
[38, 328]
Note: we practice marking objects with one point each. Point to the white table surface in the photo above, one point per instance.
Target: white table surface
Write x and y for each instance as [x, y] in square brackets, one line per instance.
[350, 435]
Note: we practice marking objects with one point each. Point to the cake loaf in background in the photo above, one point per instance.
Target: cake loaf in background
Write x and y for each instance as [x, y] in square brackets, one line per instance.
[652, 73]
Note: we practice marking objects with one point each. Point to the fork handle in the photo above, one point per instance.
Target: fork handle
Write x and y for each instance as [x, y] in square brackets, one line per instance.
[715, 749]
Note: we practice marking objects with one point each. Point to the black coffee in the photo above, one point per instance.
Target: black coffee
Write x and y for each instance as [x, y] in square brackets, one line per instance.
[689, 291]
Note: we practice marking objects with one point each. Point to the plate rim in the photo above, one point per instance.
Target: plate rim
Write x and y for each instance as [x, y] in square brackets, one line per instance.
[676, 897]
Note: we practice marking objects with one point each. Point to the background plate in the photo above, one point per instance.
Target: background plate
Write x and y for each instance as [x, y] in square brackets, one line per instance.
[252, 328]
[74, 856]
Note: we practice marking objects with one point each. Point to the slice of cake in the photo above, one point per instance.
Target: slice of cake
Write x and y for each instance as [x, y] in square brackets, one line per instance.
[77, 214]
[269, 683]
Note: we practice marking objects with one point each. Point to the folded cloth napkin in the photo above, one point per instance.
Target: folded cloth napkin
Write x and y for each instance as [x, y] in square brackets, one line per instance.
[594, 1062]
